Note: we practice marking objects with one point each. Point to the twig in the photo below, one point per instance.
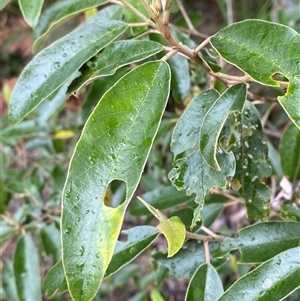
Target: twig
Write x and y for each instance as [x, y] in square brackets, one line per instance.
[169, 54]
[185, 16]
[206, 249]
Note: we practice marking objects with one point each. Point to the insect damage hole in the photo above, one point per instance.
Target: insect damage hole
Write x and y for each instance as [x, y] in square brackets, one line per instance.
[115, 193]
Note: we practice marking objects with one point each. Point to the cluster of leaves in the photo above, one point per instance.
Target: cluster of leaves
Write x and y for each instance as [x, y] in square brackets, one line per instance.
[140, 98]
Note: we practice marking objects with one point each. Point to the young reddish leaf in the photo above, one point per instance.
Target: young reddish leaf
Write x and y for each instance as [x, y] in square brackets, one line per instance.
[115, 144]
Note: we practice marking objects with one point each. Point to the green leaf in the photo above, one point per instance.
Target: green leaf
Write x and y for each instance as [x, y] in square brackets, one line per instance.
[262, 241]
[126, 119]
[191, 172]
[3, 3]
[26, 269]
[289, 150]
[232, 99]
[9, 281]
[262, 49]
[57, 14]
[204, 285]
[139, 238]
[50, 237]
[55, 281]
[31, 11]
[180, 83]
[186, 261]
[174, 231]
[272, 280]
[113, 57]
[53, 66]
[251, 153]
[159, 198]
[155, 295]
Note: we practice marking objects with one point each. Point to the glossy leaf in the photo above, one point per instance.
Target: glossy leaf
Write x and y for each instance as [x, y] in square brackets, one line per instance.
[127, 119]
[262, 241]
[9, 281]
[263, 49]
[139, 238]
[232, 99]
[113, 57]
[31, 11]
[186, 261]
[174, 231]
[289, 150]
[204, 285]
[53, 66]
[58, 13]
[191, 172]
[272, 280]
[55, 281]
[26, 269]
[251, 153]
[160, 198]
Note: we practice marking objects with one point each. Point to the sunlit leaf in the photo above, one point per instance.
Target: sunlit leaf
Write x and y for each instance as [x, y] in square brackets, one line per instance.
[126, 119]
[31, 11]
[272, 280]
[262, 241]
[174, 231]
[251, 153]
[204, 285]
[289, 150]
[191, 172]
[263, 49]
[53, 66]
[58, 13]
[232, 99]
[139, 238]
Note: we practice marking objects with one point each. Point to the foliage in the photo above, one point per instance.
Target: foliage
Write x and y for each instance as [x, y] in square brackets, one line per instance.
[184, 133]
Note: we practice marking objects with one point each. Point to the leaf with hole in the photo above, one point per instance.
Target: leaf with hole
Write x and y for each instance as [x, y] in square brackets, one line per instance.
[251, 153]
[263, 49]
[232, 99]
[191, 172]
[53, 66]
[127, 119]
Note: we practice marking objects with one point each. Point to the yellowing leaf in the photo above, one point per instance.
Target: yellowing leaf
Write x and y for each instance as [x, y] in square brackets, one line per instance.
[174, 231]
[64, 134]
